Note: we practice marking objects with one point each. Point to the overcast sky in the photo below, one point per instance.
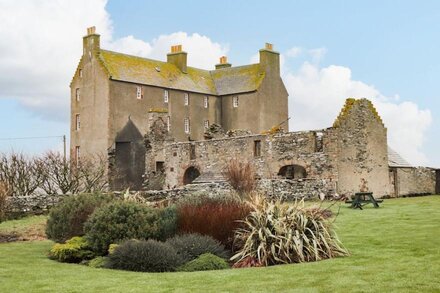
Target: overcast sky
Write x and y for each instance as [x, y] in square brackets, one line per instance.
[386, 51]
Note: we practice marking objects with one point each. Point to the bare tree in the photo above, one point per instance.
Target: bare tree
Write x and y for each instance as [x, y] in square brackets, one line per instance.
[92, 174]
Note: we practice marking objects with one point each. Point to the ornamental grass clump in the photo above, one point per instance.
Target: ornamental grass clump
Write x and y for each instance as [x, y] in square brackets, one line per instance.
[279, 233]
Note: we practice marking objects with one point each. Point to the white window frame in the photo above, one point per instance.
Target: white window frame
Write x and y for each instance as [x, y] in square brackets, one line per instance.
[186, 125]
[206, 124]
[235, 101]
[206, 102]
[77, 154]
[78, 94]
[139, 93]
[77, 122]
[168, 123]
[186, 99]
[165, 96]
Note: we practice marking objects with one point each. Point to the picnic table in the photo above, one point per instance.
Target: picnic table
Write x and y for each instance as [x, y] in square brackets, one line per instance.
[363, 198]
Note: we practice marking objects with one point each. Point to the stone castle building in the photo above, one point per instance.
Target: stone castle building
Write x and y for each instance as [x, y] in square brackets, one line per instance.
[183, 125]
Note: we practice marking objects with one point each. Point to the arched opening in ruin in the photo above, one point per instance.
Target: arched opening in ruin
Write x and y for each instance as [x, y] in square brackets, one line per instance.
[190, 175]
[292, 172]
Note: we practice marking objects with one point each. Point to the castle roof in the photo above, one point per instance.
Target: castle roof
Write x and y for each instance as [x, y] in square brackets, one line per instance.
[224, 81]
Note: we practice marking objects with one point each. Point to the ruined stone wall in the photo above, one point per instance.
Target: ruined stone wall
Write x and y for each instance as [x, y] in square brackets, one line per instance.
[413, 181]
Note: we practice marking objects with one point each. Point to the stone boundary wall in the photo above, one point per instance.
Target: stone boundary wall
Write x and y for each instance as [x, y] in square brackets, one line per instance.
[414, 181]
[32, 204]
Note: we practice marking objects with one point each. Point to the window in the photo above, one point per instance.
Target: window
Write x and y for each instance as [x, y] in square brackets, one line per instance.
[186, 125]
[206, 124]
[165, 96]
[160, 166]
[77, 122]
[77, 155]
[168, 123]
[192, 152]
[206, 102]
[77, 94]
[80, 73]
[235, 102]
[139, 92]
[257, 148]
[186, 101]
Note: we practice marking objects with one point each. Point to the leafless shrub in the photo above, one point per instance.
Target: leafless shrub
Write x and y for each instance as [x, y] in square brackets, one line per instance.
[4, 194]
[241, 175]
[92, 173]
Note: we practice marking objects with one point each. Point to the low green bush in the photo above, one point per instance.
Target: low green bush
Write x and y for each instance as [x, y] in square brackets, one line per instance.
[144, 256]
[191, 246]
[98, 262]
[205, 262]
[74, 250]
[68, 217]
[126, 220]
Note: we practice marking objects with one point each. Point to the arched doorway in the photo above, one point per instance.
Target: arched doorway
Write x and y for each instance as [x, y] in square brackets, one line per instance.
[190, 175]
[292, 172]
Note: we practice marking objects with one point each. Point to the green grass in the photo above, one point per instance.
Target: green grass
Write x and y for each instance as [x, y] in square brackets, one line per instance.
[395, 248]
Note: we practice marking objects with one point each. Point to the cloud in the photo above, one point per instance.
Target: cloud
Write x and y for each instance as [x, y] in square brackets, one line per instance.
[318, 94]
[41, 44]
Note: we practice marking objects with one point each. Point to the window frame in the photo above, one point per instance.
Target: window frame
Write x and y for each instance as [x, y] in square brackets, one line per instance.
[186, 125]
[77, 155]
[139, 92]
[77, 122]
[206, 124]
[186, 99]
[206, 102]
[235, 102]
[77, 94]
[166, 96]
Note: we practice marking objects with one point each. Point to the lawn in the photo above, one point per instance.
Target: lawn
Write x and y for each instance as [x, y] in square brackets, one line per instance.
[393, 248]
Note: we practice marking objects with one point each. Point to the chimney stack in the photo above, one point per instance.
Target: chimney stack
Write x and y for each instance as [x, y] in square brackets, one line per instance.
[178, 57]
[223, 63]
[270, 60]
[91, 42]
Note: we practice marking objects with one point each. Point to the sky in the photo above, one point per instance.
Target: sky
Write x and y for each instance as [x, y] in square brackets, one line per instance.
[386, 51]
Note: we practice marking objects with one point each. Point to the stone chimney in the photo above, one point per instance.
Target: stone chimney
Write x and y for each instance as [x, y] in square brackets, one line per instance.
[91, 42]
[178, 57]
[270, 60]
[223, 63]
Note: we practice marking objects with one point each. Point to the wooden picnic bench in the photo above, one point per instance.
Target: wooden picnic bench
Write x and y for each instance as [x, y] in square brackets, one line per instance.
[363, 198]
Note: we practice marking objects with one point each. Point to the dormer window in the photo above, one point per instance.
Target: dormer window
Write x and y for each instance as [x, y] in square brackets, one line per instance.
[206, 102]
[165, 96]
[235, 102]
[186, 99]
[139, 92]
[77, 94]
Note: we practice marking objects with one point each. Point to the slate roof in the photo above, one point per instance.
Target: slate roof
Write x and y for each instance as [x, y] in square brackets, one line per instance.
[395, 160]
[162, 74]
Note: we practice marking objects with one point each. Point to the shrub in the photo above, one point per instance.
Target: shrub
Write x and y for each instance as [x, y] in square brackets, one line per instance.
[68, 217]
[98, 262]
[126, 220]
[205, 262]
[216, 218]
[4, 194]
[191, 246]
[241, 175]
[276, 233]
[144, 256]
[167, 222]
[74, 250]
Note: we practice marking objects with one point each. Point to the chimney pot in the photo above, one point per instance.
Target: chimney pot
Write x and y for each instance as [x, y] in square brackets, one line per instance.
[91, 30]
[223, 60]
[269, 46]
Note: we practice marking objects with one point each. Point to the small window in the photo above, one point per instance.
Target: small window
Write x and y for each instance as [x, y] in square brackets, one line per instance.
[206, 124]
[77, 94]
[160, 166]
[77, 122]
[186, 101]
[139, 92]
[165, 96]
[80, 73]
[257, 148]
[192, 152]
[168, 123]
[186, 125]
[77, 155]
[235, 102]
[206, 102]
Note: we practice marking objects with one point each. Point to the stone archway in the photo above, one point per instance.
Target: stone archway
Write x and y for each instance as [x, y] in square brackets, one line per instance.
[190, 175]
[292, 172]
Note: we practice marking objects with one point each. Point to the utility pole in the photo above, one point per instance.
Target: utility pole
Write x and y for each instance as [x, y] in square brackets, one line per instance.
[64, 145]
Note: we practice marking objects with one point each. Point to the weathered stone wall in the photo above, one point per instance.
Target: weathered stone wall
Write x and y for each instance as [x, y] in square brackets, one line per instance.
[412, 181]
[33, 204]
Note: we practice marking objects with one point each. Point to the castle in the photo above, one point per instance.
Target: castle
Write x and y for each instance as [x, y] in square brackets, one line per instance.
[184, 124]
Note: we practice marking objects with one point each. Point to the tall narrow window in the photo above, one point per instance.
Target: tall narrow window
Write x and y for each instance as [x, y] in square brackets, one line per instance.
[77, 94]
[206, 102]
[186, 99]
[80, 73]
[186, 125]
[165, 96]
[257, 148]
[77, 155]
[206, 124]
[192, 152]
[139, 92]
[168, 123]
[77, 122]
[235, 102]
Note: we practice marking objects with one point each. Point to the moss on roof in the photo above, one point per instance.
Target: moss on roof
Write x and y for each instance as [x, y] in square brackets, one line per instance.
[158, 73]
